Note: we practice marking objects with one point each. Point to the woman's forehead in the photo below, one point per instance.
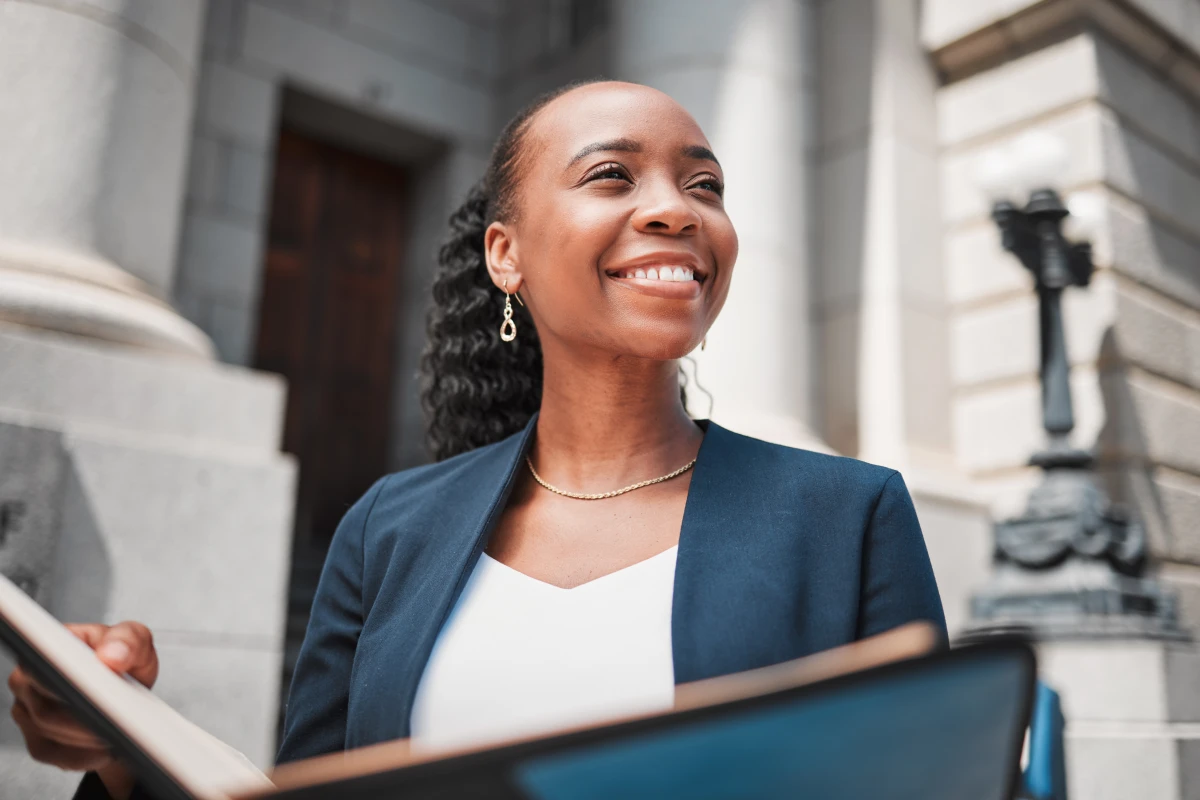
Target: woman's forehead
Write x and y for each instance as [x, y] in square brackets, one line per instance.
[611, 111]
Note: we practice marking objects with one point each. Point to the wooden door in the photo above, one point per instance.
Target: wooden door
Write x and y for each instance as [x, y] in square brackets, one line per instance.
[327, 323]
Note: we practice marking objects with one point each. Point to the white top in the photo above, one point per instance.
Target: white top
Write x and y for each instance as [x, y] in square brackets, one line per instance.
[518, 656]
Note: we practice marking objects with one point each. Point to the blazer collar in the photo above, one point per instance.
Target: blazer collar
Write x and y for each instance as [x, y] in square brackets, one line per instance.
[703, 537]
[468, 524]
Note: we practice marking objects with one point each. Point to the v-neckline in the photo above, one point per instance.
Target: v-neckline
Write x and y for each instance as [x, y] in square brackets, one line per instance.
[617, 572]
[697, 635]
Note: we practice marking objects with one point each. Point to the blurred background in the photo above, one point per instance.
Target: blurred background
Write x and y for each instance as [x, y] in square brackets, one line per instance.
[218, 226]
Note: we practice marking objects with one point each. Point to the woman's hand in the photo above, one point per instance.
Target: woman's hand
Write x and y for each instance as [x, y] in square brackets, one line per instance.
[52, 734]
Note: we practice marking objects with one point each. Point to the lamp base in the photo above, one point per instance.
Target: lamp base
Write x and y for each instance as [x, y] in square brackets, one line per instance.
[1077, 600]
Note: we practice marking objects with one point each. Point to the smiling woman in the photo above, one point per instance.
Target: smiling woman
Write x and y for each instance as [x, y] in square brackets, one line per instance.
[612, 159]
[580, 545]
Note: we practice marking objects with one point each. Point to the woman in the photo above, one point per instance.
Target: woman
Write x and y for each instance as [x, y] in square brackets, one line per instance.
[581, 545]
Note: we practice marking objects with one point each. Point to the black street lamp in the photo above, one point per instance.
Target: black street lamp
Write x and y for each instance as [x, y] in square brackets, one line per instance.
[1072, 565]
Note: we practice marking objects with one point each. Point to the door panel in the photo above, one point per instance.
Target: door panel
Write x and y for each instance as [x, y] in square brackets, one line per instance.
[327, 320]
[327, 323]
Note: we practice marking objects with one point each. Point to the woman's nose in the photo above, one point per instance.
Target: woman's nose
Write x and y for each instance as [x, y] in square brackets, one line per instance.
[665, 209]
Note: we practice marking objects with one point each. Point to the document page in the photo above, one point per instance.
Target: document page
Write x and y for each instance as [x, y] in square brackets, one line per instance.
[204, 765]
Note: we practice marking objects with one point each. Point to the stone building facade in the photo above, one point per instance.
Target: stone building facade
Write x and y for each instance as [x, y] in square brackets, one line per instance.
[197, 197]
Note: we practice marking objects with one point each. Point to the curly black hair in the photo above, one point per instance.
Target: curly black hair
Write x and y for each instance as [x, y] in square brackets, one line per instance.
[476, 389]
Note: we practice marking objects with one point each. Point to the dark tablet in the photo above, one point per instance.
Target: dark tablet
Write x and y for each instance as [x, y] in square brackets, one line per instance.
[943, 727]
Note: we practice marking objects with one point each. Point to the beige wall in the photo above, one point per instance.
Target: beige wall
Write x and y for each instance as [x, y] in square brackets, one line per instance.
[1134, 335]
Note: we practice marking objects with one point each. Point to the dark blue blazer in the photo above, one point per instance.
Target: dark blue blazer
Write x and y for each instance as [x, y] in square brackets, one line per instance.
[782, 553]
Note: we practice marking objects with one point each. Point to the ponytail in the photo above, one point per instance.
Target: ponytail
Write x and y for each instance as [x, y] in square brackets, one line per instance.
[476, 389]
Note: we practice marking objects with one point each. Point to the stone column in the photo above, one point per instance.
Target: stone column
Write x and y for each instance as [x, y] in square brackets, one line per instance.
[880, 300]
[744, 70]
[139, 479]
[94, 130]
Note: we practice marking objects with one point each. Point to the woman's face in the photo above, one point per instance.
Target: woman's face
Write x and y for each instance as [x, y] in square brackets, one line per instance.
[620, 243]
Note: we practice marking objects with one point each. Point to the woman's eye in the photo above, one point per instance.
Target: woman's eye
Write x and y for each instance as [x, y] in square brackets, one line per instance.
[710, 185]
[608, 172]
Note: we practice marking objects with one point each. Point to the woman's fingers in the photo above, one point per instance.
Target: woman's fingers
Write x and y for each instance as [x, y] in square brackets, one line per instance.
[91, 633]
[49, 751]
[43, 710]
[51, 732]
[56, 722]
[127, 647]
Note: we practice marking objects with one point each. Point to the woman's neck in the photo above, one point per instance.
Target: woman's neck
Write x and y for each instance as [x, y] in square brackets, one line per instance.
[611, 421]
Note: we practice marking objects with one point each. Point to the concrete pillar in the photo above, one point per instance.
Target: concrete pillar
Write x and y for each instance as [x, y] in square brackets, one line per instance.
[94, 129]
[139, 478]
[745, 71]
[879, 300]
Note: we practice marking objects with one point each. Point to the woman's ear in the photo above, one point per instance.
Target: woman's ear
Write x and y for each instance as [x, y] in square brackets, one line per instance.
[500, 252]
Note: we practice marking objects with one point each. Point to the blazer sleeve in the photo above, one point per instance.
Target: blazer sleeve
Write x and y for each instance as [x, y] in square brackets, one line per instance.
[897, 579]
[315, 716]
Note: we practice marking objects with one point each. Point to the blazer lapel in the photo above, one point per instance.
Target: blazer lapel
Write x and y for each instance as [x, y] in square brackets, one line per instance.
[435, 568]
[716, 626]
[713, 623]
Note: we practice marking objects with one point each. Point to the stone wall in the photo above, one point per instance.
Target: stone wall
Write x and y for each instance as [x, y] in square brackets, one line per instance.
[1117, 82]
[140, 486]
[1134, 335]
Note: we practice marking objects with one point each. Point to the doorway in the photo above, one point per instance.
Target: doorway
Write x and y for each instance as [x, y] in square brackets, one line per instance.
[327, 323]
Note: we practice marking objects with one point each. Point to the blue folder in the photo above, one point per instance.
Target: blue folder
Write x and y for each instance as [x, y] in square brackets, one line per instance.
[947, 726]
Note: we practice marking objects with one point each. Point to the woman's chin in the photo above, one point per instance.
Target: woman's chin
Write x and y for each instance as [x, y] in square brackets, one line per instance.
[659, 346]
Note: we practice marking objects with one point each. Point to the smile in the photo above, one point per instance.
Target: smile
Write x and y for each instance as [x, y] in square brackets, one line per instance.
[658, 274]
[673, 283]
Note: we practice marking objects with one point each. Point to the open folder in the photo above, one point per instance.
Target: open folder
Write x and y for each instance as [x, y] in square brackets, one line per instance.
[886, 717]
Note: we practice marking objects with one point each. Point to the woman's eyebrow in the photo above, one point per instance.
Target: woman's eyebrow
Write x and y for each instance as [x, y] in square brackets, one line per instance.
[617, 145]
[696, 151]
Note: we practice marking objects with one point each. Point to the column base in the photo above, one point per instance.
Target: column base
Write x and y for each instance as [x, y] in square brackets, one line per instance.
[85, 296]
[1077, 601]
[1132, 710]
[142, 486]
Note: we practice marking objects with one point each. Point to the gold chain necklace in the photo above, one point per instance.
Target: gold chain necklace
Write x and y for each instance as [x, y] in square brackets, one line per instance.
[604, 495]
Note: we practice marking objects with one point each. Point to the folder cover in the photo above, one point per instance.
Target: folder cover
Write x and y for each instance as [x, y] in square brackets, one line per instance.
[886, 717]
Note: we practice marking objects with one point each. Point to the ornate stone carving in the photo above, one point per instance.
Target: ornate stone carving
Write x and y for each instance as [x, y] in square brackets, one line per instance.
[1068, 516]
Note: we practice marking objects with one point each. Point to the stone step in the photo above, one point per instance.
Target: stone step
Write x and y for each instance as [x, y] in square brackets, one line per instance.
[195, 545]
[1132, 710]
[63, 382]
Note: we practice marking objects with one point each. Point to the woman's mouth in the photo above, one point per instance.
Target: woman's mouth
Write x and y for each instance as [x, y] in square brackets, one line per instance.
[658, 273]
[675, 283]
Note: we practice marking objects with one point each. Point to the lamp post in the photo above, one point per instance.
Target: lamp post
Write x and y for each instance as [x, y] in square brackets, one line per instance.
[1072, 564]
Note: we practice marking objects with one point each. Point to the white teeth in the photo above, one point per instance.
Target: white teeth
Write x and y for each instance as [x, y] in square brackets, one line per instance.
[660, 273]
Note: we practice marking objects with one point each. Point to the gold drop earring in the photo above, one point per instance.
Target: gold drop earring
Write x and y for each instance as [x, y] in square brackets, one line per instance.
[508, 328]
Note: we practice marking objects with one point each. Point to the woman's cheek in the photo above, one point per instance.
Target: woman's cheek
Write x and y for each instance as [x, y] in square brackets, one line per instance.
[725, 239]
